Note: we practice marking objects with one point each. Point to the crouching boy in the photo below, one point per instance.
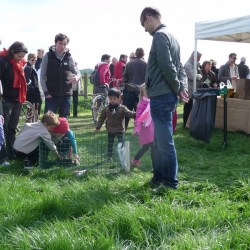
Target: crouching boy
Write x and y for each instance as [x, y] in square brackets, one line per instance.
[64, 139]
[30, 136]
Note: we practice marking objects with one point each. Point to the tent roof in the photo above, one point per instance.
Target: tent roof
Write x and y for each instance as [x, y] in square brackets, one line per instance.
[229, 30]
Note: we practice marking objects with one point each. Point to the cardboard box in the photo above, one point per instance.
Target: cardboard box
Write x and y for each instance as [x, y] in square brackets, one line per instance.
[243, 89]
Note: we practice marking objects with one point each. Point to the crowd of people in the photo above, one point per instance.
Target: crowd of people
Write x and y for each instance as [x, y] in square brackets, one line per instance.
[57, 80]
[151, 91]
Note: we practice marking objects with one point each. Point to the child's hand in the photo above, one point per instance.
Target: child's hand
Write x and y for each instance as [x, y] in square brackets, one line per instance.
[136, 133]
[96, 130]
[76, 158]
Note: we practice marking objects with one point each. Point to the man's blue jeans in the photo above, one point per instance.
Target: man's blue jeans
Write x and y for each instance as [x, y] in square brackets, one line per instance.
[60, 103]
[166, 166]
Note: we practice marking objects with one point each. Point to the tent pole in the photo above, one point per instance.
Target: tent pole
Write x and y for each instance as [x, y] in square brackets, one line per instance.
[195, 66]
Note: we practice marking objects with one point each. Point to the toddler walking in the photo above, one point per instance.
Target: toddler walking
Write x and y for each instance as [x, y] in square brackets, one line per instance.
[144, 127]
[114, 115]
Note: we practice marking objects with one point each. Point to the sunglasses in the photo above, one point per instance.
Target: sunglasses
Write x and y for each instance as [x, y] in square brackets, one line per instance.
[234, 58]
[33, 60]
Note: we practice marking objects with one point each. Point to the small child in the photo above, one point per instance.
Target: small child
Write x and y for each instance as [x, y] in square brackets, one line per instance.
[63, 136]
[144, 127]
[114, 114]
[30, 136]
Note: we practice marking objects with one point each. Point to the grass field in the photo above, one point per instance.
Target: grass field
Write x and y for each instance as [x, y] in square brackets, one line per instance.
[57, 209]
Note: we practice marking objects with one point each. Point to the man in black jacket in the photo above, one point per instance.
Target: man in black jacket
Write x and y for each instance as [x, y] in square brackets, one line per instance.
[58, 73]
[134, 72]
[243, 68]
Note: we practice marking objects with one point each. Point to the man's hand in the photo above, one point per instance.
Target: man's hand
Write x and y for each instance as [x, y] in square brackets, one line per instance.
[184, 96]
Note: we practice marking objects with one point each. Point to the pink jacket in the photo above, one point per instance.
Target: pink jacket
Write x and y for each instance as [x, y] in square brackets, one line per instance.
[143, 122]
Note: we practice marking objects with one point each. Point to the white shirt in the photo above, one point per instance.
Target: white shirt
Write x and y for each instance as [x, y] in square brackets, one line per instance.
[30, 137]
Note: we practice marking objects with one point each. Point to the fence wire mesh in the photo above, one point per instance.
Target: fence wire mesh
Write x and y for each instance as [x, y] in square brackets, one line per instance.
[92, 150]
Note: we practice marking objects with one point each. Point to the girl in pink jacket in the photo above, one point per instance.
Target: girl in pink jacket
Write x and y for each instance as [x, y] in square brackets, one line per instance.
[144, 127]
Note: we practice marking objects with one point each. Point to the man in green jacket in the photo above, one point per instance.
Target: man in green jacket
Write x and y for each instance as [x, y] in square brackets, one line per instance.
[165, 80]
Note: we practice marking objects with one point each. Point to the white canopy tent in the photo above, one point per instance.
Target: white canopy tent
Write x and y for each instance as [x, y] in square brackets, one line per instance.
[228, 30]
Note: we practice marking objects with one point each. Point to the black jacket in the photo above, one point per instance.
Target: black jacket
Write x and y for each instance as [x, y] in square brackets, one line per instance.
[243, 70]
[10, 94]
[57, 73]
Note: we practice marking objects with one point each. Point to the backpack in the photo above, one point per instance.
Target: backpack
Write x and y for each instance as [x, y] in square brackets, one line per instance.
[95, 77]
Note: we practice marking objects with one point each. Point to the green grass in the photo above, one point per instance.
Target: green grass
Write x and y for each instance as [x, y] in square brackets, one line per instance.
[55, 209]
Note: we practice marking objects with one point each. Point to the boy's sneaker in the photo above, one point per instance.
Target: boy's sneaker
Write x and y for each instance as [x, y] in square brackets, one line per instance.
[5, 164]
[136, 163]
[28, 165]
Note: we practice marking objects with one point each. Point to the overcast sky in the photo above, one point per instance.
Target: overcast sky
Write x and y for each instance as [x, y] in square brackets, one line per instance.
[112, 26]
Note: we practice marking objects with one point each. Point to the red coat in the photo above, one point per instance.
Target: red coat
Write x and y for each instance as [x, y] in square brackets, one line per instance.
[104, 73]
[118, 71]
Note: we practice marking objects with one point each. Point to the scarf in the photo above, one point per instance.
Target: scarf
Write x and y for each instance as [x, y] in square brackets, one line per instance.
[19, 77]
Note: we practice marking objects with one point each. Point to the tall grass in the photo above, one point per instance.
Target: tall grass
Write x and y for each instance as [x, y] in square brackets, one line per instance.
[55, 209]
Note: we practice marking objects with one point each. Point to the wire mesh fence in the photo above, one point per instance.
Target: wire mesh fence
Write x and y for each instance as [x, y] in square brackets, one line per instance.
[92, 150]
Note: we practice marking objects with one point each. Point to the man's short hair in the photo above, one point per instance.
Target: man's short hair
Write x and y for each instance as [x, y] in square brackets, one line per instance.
[149, 11]
[105, 57]
[114, 92]
[139, 53]
[232, 55]
[123, 56]
[61, 37]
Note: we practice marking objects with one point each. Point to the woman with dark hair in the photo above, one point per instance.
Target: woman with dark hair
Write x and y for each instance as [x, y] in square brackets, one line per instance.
[33, 92]
[14, 94]
[208, 76]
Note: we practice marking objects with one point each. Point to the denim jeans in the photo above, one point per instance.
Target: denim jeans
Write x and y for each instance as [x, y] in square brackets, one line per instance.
[60, 103]
[166, 166]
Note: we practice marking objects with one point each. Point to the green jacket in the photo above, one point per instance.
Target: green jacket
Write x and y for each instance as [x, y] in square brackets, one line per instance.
[164, 72]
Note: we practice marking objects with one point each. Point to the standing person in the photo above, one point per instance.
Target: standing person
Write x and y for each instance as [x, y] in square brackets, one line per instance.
[144, 127]
[58, 73]
[14, 94]
[243, 68]
[163, 86]
[208, 76]
[40, 54]
[114, 114]
[112, 65]
[76, 91]
[229, 71]
[33, 92]
[214, 68]
[132, 56]
[104, 74]
[119, 69]
[134, 72]
[189, 68]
